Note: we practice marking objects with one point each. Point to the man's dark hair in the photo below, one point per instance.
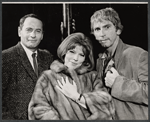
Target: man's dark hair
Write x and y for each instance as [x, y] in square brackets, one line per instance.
[21, 22]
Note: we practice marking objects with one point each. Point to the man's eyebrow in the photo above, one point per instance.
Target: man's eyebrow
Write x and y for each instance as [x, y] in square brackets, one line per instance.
[38, 29]
[97, 28]
[28, 28]
[107, 25]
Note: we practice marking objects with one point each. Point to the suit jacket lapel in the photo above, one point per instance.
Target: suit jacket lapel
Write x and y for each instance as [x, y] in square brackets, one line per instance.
[118, 54]
[25, 62]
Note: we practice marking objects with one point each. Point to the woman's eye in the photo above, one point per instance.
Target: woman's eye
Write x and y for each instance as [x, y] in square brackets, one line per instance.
[71, 51]
[82, 55]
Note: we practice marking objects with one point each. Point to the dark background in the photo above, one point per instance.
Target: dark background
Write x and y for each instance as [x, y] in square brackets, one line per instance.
[134, 18]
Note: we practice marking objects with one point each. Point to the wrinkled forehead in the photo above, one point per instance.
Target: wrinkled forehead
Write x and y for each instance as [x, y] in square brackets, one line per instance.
[102, 22]
[33, 22]
[101, 19]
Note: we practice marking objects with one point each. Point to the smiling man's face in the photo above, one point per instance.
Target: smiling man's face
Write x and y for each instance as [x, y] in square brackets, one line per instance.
[31, 33]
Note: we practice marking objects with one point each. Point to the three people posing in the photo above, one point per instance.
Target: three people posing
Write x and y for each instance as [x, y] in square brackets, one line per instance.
[70, 89]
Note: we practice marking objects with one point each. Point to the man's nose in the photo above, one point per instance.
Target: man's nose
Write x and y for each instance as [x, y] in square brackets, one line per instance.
[101, 33]
[33, 35]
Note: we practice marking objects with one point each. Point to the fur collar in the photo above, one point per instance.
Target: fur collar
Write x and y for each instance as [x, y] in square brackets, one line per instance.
[58, 66]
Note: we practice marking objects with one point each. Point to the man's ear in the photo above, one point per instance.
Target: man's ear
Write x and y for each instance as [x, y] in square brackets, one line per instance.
[42, 36]
[118, 32]
[19, 31]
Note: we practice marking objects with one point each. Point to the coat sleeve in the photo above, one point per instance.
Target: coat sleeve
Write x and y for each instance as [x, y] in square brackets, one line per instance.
[8, 75]
[40, 107]
[132, 90]
[98, 101]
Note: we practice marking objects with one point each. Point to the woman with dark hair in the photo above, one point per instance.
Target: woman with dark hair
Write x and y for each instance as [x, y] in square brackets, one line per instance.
[71, 90]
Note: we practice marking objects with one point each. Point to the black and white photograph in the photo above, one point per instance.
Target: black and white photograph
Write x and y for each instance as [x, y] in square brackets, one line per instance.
[74, 61]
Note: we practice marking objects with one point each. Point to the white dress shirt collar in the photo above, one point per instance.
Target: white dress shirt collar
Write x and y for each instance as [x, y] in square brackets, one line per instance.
[29, 54]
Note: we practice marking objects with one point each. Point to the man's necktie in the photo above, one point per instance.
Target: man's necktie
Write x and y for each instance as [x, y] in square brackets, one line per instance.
[35, 63]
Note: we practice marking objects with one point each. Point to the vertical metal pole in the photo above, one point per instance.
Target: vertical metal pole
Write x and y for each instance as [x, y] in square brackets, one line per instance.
[64, 15]
[66, 19]
[70, 19]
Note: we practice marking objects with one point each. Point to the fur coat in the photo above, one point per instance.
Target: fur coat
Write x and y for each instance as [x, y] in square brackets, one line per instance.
[48, 103]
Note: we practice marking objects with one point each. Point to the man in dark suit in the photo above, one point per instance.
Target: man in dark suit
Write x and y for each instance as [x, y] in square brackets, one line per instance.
[20, 70]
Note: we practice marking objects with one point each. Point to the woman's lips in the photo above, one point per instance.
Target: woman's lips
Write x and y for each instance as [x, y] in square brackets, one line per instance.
[74, 64]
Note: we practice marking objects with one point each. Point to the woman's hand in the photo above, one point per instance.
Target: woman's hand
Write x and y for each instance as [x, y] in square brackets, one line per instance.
[68, 89]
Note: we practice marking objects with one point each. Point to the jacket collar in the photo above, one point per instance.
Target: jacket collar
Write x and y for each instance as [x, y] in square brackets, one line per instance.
[25, 62]
[118, 52]
[58, 66]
